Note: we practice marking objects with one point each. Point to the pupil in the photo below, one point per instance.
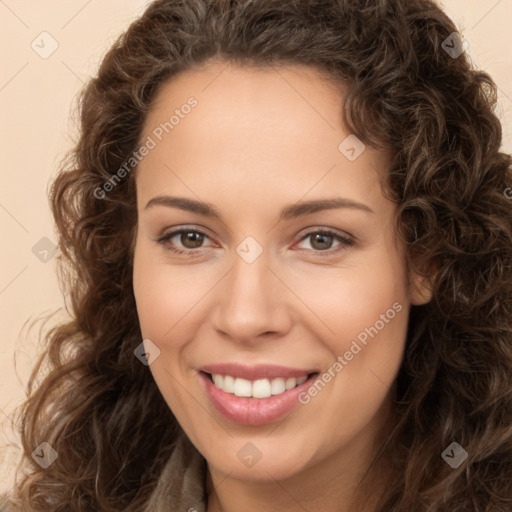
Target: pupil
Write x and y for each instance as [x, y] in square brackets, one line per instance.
[190, 237]
[323, 239]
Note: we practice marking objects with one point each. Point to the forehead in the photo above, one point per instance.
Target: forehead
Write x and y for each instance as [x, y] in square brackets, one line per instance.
[271, 100]
[279, 124]
[288, 82]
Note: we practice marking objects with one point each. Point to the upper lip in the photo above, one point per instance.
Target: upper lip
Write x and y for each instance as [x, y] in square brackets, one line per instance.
[260, 371]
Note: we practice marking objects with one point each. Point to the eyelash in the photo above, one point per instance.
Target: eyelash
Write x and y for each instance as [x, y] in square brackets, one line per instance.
[344, 241]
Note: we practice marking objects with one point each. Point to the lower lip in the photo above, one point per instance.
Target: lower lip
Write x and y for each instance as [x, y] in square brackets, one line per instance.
[254, 411]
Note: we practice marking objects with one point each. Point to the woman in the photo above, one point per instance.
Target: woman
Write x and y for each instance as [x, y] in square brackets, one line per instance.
[286, 239]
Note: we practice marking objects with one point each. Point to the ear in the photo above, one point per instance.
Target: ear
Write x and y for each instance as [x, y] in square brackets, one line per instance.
[420, 289]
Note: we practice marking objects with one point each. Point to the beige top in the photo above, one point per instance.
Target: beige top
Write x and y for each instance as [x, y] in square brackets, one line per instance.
[181, 486]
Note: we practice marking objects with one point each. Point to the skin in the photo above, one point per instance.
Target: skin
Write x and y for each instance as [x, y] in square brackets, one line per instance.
[257, 141]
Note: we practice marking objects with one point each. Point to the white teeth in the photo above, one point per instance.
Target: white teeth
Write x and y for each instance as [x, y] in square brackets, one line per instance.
[261, 388]
[290, 383]
[228, 385]
[277, 386]
[242, 387]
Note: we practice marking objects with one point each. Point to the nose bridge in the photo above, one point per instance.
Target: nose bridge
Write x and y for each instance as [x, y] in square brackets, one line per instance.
[250, 303]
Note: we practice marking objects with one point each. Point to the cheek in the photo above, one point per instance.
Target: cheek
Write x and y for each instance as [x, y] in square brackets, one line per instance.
[369, 320]
[380, 306]
[368, 313]
[164, 294]
[351, 299]
[366, 310]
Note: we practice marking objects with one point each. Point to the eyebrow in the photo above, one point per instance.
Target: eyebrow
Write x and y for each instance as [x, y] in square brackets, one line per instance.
[288, 212]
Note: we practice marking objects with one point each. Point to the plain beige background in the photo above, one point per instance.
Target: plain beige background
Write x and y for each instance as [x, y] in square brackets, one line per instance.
[37, 91]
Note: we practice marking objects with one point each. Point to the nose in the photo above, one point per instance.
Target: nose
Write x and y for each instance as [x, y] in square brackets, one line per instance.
[252, 302]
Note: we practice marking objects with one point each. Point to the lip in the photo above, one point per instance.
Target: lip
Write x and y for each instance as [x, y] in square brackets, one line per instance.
[260, 371]
[254, 411]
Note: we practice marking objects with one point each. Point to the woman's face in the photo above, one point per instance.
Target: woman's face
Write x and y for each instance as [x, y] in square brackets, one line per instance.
[270, 285]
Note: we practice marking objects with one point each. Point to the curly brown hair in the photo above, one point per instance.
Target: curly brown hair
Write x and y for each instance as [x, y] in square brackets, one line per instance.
[96, 403]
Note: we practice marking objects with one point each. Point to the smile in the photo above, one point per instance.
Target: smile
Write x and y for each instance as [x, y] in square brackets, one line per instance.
[261, 388]
[254, 395]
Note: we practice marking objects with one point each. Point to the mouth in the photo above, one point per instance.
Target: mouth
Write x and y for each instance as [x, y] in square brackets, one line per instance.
[257, 388]
[258, 400]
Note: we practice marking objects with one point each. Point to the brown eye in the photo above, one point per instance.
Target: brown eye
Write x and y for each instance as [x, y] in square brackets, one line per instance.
[321, 241]
[191, 239]
[183, 241]
[324, 242]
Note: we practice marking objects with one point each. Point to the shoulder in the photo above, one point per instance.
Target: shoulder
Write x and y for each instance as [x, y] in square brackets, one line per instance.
[182, 482]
